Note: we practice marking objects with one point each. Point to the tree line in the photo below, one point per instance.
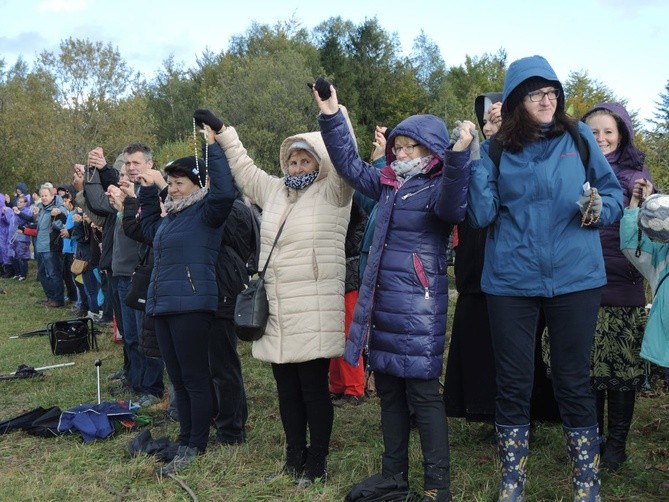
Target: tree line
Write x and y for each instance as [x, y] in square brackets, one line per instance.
[85, 95]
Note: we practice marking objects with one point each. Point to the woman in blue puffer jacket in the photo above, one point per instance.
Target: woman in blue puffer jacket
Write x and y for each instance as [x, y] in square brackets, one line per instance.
[183, 292]
[401, 309]
[542, 207]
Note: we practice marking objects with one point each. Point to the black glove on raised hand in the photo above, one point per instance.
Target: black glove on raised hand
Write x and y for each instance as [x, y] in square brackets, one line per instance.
[207, 117]
[323, 88]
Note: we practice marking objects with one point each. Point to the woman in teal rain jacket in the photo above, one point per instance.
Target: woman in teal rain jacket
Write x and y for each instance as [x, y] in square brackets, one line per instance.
[543, 207]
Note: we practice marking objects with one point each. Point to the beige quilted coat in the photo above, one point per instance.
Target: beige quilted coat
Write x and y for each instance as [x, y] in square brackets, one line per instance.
[305, 276]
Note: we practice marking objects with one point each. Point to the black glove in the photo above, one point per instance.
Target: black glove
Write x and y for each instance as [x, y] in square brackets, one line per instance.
[206, 117]
[323, 88]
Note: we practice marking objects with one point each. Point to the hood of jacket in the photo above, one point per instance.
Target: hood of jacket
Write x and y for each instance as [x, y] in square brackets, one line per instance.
[22, 186]
[629, 156]
[525, 68]
[428, 130]
[480, 104]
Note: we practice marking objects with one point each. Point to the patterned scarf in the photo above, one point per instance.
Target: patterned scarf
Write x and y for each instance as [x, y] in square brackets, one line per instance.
[175, 206]
[405, 169]
[298, 182]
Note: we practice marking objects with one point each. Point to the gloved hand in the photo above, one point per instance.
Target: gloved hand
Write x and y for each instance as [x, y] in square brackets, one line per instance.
[594, 210]
[455, 133]
[323, 88]
[207, 117]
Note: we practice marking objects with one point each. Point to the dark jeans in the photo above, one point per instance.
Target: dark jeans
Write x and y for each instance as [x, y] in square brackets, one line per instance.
[145, 374]
[50, 274]
[112, 300]
[68, 278]
[227, 382]
[91, 288]
[304, 399]
[20, 267]
[571, 320]
[184, 343]
[396, 394]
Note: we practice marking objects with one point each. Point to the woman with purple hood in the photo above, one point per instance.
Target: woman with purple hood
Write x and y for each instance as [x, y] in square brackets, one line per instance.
[20, 243]
[617, 368]
[6, 220]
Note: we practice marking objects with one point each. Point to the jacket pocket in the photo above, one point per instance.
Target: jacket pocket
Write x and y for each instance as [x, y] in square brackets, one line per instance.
[420, 273]
[189, 276]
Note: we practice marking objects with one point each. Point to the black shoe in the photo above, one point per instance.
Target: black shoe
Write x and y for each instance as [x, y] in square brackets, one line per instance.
[185, 455]
[349, 399]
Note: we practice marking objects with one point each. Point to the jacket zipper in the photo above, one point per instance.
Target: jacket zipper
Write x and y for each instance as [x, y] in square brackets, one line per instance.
[190, 278]
[420, 272]
[407, 195]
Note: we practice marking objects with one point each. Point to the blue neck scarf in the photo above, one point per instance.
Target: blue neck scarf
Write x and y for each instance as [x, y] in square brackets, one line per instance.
[298, 182]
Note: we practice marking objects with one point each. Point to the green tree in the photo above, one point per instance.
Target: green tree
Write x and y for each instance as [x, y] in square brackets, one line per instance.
[479, 74]
[582, 93]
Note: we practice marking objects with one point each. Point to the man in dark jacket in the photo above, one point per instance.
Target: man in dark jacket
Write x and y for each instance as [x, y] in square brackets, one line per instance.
[237, 246]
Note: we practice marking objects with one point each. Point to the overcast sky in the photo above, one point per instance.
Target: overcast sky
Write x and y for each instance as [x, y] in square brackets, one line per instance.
[620, 43]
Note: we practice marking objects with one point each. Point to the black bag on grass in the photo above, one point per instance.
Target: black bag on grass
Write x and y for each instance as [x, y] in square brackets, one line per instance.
[379, 488]
[72, 337]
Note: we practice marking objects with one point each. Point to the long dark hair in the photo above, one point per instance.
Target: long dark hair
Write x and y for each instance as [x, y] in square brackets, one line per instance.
[519, 128]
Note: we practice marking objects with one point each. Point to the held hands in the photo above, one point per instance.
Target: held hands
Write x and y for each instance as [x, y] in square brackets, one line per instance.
[96, 158]
[464, 136]
[152, 177]
[127, 187]
[495, 113]
[116, 197]
[590, 205]
[379, 143]
[642, 189]
[325, 96]
[206, 117]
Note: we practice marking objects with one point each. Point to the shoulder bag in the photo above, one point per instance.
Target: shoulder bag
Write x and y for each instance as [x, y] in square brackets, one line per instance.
[252, 306]
[139, 284]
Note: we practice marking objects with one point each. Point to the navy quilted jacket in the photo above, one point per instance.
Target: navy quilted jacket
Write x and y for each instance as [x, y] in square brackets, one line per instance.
[401, 309]
[186, 244]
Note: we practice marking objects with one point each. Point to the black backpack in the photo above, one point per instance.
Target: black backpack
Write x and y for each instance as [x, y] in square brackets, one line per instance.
[495, 149]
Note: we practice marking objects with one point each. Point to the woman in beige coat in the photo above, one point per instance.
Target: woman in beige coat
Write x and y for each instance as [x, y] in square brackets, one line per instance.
[304, 282]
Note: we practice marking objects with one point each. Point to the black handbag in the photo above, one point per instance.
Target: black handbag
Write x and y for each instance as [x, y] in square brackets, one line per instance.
[252, 306]
[139, 284]
[72, 337]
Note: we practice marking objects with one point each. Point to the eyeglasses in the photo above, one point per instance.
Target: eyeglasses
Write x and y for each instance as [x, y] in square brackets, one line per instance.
[539, 95]
[407, 149]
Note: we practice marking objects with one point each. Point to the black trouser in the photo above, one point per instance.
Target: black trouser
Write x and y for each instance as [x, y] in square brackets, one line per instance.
[304, 399]
[396, 394]
[227, 382]
[184, 344]
[571, 320]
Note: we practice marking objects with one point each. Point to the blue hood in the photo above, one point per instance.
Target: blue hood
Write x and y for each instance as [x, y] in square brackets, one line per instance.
[522, 69]
[428, 130]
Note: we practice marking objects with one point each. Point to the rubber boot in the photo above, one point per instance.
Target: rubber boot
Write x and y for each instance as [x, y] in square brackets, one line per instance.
[621, 409]
[513, 444]
[583, 447]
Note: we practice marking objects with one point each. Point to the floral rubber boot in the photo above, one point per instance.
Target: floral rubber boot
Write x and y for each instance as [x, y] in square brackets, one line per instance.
[583, 447]
[513, 444]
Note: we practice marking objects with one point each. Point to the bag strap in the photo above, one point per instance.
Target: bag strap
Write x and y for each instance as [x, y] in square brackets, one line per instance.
[660, 284]
[276, 239]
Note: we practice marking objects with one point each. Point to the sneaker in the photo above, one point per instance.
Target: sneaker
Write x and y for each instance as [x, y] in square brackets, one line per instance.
[16, 277]
[22, 278]
[185, 455]
[53, 305]
[148, 400]
[95, 316]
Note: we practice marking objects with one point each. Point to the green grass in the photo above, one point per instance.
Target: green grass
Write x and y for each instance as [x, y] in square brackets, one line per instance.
[64, 468]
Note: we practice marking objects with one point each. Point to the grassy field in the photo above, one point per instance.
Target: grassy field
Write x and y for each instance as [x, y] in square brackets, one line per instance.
[64, 468]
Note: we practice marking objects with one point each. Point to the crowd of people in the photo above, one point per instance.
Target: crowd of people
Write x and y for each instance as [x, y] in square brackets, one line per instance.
[550, 320]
